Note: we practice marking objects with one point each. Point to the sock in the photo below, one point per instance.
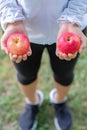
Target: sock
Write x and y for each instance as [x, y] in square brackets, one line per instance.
[53, 100]
[40, 99]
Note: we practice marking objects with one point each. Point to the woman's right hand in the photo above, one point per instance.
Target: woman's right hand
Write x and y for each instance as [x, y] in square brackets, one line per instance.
[16, 27]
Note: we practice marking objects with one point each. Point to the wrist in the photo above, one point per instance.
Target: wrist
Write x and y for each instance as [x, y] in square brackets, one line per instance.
[16, 23]
[68, 23]
[73, 24]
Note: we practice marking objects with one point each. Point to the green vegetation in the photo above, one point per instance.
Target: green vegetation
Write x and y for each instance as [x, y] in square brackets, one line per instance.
[12, 101]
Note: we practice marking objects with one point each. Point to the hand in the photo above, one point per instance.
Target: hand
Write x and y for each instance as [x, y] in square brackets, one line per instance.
[18, 59]
[68, 27]
[14, 28]
[64, 56]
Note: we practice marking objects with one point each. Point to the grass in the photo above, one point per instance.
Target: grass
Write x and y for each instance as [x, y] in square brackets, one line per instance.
[12, 101]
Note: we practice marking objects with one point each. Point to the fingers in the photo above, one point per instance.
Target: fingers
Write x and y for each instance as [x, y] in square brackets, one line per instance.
[64, 56]
[83, 45]
[72, 56]
[25, 56]
[13, 57]
[59, 54]
[16, 58]
[3, 45]
[20, 58]
[29, 53]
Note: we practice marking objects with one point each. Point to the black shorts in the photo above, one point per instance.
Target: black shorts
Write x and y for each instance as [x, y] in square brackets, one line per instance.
[27, 71]
[63, 71]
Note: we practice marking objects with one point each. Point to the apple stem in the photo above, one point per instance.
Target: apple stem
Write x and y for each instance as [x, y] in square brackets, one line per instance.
[16, 40]
[68, 38]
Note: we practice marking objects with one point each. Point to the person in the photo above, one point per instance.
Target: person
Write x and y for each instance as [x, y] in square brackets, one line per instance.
[44, 22]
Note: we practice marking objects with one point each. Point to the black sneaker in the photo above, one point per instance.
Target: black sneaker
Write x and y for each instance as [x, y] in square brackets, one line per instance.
[28, 119]
[63, 116]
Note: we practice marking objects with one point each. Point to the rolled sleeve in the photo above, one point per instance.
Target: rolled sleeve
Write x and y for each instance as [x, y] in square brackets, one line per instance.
[10, 12]
[74, 12]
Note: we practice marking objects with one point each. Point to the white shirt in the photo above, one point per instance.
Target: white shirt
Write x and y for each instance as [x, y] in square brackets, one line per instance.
[41, 17]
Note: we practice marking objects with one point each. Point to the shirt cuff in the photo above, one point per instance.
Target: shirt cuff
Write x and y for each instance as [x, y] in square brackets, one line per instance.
[73, 20]
[10, 16]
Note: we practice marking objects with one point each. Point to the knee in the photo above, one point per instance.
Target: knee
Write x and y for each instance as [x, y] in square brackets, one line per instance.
[26, 79]
[65, 80]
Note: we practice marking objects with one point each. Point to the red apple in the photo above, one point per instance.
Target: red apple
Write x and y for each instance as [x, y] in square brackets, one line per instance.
[18, 44]
[69, 43]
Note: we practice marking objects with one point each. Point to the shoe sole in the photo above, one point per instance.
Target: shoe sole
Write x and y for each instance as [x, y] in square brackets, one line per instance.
[34, 126]
[56, 124]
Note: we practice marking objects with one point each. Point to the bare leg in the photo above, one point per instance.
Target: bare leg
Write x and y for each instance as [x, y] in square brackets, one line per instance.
[63, 116]
[33, 100]
[30, 91]
[62, 91]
